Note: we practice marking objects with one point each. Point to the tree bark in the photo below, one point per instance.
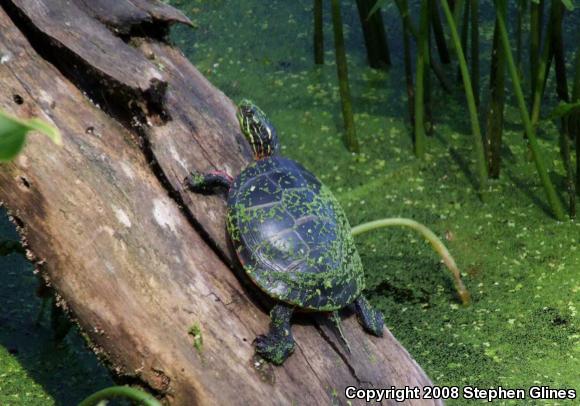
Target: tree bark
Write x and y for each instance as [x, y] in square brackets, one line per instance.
[135, 258]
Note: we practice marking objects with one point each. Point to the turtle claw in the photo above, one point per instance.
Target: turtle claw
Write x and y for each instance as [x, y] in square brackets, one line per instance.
[208, 183]
[376, 324]
[371, 319]
[195, 181]
[274, 348]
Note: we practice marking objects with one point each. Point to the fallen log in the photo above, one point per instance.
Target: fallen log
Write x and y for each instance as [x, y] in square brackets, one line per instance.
[137, 261]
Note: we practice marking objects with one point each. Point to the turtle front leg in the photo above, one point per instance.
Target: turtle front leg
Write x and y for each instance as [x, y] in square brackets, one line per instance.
[278, 344]
[371, 319]
[208, 183]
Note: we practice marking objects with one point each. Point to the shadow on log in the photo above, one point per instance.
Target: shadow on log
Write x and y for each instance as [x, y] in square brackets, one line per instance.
[136, 259]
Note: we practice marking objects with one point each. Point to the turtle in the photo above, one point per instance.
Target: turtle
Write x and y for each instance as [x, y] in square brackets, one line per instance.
[290, 235]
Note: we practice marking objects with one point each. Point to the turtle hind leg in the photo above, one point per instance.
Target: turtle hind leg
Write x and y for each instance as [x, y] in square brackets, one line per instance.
[371, 319]
[278, 344]
[208, 183]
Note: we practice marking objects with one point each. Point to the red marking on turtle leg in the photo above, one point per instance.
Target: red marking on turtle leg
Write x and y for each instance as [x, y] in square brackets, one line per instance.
[222, 173]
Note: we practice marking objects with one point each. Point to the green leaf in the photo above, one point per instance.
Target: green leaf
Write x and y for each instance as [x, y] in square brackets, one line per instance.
[43, 127]
[564, 109]
[569, 4]
[13, 134]
[11, 141]
[377, 6]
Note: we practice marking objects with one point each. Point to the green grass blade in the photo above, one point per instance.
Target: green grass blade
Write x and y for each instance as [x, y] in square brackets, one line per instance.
[553, 199]
[563, 110]
[481, 168]
[377, 7]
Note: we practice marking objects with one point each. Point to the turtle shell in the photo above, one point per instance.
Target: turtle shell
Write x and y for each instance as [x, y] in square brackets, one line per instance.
[292, 237]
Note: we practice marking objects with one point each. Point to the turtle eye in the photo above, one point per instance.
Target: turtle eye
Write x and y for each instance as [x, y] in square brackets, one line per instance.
[247, 112]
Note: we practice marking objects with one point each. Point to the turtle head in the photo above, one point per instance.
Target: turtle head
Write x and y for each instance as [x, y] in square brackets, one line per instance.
[257, 129]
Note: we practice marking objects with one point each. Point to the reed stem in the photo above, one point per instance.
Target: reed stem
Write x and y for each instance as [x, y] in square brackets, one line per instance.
[422, 58]
[464, 30]
[318, 33]
[557, 42]
[481, 168]
[562, 90]
[439, 33]
[566, 161]
[374, 35]
[402, 5]
[519, 23]
[553, 199]
[535, 39]
[457, 14]
[495, 113]
[430, 236]
[576, 119]
[342, 72]
[429, 126]
[475, 49]
[542, 70]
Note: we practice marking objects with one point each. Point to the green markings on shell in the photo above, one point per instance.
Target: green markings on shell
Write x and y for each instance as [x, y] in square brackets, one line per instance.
[293, 237]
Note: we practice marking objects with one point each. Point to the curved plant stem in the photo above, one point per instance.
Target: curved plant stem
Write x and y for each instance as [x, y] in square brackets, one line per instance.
[553, 199]
[125, 392]
[471, 102]
[435, 242]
